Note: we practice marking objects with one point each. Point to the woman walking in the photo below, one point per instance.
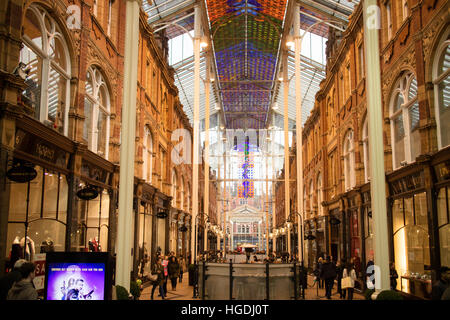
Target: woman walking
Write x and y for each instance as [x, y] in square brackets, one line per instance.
[165, 264]
[348, 279]
[174, 271]
[158, 269]
[182, 267]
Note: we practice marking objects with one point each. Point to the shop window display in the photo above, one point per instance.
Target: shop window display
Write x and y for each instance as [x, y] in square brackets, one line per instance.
[368, 233]
[93, 223]
[443, 225]
[38, 213]
[355, 240]
[411, 245]
[145, 237]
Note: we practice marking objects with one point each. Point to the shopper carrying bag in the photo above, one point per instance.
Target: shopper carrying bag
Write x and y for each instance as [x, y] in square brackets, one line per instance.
[348, 280]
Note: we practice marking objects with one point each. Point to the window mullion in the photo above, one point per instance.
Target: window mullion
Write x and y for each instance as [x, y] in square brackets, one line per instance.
[94, 127]
[43, 113]
[407, 129]
[60, 70]
[29, 43]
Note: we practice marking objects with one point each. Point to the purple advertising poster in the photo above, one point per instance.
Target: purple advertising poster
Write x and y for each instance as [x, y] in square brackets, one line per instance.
[76, 281]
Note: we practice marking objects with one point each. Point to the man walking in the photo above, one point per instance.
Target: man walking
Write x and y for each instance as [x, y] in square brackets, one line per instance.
[328, 273]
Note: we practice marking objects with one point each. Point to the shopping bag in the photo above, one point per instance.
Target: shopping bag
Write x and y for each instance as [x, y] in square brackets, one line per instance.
[346, 283]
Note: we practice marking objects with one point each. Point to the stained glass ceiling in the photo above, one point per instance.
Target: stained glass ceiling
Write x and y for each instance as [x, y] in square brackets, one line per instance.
[246, 37]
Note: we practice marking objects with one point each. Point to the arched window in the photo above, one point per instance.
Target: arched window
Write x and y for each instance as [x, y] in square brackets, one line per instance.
[404, 115]
[319, 194]
[311, 197]
[47, 60]
[147, 154]
[97, 105]
[441, 80]
[349, 161]
[365, 140]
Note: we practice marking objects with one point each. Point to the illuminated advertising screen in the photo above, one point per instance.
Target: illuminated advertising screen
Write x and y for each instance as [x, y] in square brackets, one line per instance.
[77, 276]
[79, 281]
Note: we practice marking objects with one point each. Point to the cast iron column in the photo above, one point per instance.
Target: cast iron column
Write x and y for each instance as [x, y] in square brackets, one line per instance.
[127, 148]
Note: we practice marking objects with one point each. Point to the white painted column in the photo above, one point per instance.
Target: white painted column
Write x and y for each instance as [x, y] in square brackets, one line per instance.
[225, 202]
[267, 204]
[231, 235]
[286, 147]
[372, 18]
[299, 129]
[260, 240]
[219, 204]
[274, 240]
[206, 156]
[127, 149]
[196, 160]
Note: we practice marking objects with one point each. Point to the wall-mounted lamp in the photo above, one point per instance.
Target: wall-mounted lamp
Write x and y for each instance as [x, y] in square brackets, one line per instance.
[204, 42]
[290, 44]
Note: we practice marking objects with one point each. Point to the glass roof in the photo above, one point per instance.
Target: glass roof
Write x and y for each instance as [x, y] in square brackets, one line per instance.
[246, 36]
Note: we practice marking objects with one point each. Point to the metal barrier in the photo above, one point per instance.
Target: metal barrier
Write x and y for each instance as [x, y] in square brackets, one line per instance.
[251, 281]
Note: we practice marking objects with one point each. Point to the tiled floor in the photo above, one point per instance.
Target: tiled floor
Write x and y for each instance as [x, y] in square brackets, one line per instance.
[182, 292]
[185, 292]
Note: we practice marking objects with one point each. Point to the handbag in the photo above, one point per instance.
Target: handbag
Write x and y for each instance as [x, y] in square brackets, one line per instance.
[346, 283]
[153, 277]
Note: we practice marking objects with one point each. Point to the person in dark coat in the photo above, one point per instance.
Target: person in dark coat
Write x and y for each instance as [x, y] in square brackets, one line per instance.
[441, 285]
[158, 269]
[393, 276]
[7, 280]
[24, 288]
[328, 273]
[174, 271]
[319, 270]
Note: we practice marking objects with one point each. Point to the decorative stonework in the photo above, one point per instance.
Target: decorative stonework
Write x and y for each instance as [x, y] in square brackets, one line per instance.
[430, 34]
[406, 61]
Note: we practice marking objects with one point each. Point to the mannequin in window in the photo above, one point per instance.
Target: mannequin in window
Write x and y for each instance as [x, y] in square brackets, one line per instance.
[94, 246]
[16, 253]
[47, 246]
[29, 248]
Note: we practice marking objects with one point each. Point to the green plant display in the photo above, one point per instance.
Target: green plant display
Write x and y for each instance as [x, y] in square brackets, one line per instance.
[389, 295]
[135, 290]
[368, 294]
[122, 293]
